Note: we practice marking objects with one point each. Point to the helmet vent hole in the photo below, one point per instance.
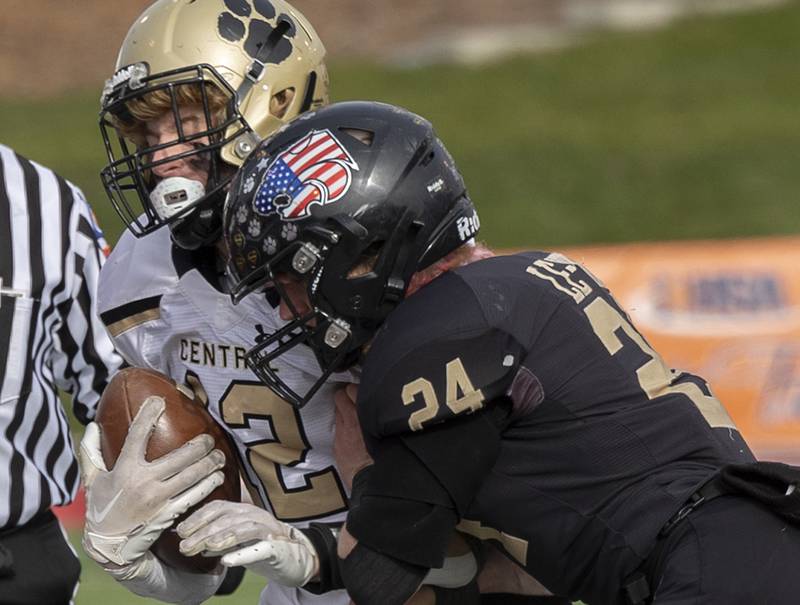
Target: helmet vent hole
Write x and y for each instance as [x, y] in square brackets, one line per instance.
[428, 158]
[280, 102]
[364, 136]
[289, 29]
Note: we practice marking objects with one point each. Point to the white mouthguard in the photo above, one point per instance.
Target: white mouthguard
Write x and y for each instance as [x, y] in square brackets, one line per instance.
[173, 194]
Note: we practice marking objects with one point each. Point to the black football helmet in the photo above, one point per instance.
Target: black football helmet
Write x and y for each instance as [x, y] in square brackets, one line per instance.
[358, 186]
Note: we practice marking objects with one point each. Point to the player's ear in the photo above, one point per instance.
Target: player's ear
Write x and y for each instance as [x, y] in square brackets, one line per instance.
[280, 102]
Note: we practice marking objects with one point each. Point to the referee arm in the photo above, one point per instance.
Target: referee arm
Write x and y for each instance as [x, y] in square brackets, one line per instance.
[84, 357]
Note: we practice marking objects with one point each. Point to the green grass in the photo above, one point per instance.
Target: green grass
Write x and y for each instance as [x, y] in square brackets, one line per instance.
[97, 587]
[687, 132]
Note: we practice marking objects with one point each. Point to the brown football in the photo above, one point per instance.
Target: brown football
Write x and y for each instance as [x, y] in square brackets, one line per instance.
[183, 419]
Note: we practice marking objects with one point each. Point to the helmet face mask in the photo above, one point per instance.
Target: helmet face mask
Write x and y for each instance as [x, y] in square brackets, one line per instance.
[129, 177]
[336, 338]
[353, 217]
[244, 68]
[330, 338]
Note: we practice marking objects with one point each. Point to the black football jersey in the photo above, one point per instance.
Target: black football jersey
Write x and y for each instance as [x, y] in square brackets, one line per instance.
[604, 442]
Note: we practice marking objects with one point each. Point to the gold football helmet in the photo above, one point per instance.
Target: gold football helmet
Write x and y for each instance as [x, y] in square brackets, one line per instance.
[243, 67]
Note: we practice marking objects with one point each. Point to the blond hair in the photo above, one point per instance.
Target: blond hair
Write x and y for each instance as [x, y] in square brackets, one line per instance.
[154, 104]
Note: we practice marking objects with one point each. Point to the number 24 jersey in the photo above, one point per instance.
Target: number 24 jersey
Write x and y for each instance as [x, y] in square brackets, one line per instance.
[604, 441]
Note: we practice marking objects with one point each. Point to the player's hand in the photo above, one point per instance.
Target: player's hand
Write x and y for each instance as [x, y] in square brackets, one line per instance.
[500, 574]
[244, 534]
[129, 506]
[348, 443]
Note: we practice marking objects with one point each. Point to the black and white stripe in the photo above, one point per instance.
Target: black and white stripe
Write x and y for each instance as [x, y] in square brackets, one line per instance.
[50, 335]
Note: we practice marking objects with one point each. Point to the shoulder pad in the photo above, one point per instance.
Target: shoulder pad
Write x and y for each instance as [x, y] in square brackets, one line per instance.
[137, 269]
[437, 357]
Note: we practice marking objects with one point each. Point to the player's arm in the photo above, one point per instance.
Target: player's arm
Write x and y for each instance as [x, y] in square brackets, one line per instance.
[500, 576]
[405, 506]
[130, 306]
[146, 575]
[130, 505]
[132, 284]
[122, 524]
[83, 358]
[250, 536]
[246, 535]
[133, 330]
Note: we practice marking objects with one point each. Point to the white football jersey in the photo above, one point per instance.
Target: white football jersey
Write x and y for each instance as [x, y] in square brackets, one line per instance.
[162, 313]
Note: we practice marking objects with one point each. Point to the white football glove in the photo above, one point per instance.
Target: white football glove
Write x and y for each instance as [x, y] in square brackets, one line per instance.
[244, 534]
[129, 506]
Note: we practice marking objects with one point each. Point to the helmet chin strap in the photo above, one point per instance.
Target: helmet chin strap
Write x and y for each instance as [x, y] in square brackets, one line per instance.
[175, 193]
[257, 67]
[399, 253]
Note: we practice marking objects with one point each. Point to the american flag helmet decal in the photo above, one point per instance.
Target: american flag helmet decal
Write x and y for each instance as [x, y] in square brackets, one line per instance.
[317, 169]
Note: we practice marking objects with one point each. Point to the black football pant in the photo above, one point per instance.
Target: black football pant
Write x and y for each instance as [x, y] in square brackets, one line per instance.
[731, 551]
[37, 565]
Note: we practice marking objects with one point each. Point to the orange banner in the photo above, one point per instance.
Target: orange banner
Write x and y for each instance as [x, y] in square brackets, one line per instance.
[726, 310]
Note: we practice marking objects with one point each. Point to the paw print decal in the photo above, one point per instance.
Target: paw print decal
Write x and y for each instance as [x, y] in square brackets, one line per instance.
[254, 227]
[270, 246]
[249, 183]
[241, 214]
[289, 232]
[246, 21]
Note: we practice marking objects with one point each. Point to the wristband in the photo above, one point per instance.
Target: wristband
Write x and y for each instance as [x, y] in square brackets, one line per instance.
[324, 539]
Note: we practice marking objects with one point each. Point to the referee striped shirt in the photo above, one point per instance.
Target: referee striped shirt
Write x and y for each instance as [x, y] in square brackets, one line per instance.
[50, 336]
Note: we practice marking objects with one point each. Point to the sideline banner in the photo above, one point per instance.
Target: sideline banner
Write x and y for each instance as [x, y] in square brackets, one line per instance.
[726, 310]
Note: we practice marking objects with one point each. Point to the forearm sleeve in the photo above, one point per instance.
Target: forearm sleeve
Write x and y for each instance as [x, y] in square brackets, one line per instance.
[374, 578]
[399, 509]
[408, 502]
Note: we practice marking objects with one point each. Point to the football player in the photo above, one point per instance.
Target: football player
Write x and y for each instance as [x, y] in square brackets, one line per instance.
[510, 395]
[197, 85]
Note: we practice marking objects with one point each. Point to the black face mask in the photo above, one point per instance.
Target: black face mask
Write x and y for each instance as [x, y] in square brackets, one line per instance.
[299, 331]
[330, 338]
[128, 177]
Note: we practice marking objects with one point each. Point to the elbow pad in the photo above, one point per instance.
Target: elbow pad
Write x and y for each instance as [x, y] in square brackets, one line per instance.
[373, 578]
[414, 529]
